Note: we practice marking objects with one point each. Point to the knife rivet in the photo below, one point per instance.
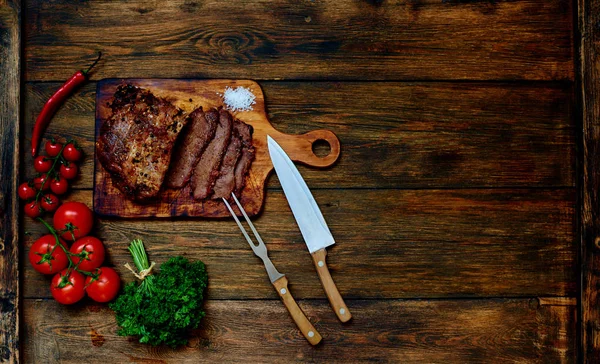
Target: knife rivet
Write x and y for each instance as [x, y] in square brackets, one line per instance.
[283, 291]
[342, 311]
[311, 334]
[320, 263]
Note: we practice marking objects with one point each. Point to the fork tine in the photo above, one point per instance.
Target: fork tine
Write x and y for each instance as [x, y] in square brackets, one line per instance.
[239, 224]
[256, 234]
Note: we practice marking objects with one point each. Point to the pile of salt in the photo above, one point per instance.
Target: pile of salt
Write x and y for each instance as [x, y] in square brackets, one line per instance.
[238, 99]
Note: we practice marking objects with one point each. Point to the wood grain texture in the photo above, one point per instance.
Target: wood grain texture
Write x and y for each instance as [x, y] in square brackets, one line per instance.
[444, 331]
[366, 40]
[302, 322]
[333, 295]
[10, 89]
[189, 95]
[394, 135]
[425, 243]
[589, 26]
[455, 191]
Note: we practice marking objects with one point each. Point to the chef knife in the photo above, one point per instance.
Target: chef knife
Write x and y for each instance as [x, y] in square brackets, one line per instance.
[312, 225]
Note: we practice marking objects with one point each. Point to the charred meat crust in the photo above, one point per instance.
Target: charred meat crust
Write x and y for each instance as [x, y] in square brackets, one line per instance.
[136, 142]
[145, 133]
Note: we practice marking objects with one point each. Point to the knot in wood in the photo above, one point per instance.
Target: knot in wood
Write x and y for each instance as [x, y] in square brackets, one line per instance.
[235, 47]
[231, 47]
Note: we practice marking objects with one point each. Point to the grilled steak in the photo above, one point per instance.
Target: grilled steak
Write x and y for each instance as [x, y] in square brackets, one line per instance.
[225, 183]
[136, 141]
[207, 168]
[198, 132]
[246, 157]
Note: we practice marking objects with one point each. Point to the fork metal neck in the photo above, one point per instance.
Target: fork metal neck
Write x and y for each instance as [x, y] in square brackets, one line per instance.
[271, 270]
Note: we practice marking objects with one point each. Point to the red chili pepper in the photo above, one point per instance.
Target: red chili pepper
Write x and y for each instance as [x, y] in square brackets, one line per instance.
[54, 103]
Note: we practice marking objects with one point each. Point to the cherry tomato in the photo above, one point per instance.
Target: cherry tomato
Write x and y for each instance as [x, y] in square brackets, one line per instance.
[45, 258]
[59, 186]
[26, 191]
[49, 202]
[103, 287]
[76, 217]
[72, 152]
[39, 182]
[53, 148]
[68, 171]
[68, 286]
[33, 210]
[42, 164]
[92, 251]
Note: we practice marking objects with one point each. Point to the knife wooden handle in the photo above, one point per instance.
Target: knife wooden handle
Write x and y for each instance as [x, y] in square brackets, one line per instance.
[335, 299]
[308, 330]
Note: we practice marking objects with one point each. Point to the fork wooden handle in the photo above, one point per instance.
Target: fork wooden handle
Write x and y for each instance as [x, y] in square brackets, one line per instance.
[307, 329]
[335, 299]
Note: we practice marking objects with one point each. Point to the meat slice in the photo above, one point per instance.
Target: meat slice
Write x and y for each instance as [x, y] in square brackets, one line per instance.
[197, 134]
[207, 168]
[246, 157]
[136, 142]
[225, 183]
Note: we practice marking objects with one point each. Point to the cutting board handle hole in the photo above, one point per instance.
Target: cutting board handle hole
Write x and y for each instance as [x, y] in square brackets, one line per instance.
[321, 148]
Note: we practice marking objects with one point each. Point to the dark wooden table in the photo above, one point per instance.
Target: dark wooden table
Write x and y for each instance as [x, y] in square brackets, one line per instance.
[465, 203]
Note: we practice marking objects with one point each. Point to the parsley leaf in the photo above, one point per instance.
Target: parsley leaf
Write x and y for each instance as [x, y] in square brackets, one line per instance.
[165, 306]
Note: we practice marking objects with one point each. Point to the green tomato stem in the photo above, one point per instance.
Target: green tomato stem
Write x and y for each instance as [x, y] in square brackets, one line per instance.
[58, 243]
[56, 159]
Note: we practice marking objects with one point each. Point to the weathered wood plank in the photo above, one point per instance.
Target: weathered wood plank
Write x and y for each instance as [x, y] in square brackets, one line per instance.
[589, 26]
[10, 88]
[419, 134]
[490, 331]
[367, 40]
[390, 244]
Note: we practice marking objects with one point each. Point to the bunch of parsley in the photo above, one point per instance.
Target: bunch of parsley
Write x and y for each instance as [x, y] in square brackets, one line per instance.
[165, 306]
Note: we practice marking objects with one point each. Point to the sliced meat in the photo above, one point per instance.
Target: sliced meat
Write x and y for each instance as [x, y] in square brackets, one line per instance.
[195, 137]
[246, 157]
[225, 183]
[136, 142]
[207, 169]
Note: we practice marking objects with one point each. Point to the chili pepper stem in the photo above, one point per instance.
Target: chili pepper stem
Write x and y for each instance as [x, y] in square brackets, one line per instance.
[93, 64]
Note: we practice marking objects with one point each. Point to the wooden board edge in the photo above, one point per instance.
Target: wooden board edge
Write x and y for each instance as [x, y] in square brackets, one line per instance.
[10, 83]
[589, 81]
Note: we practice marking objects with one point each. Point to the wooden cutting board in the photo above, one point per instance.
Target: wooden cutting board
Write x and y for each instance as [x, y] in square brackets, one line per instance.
[189, 94]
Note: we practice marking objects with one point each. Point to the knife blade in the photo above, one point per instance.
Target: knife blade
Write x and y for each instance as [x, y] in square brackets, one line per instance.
[311, 222]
